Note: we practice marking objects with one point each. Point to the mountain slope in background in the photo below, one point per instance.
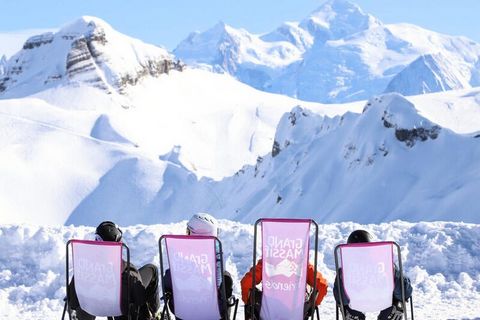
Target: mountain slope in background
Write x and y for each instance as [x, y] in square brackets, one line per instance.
[82, 152]
[337, 54]
[167, 144]
[387, 163]
[431, 73]
[85, 51]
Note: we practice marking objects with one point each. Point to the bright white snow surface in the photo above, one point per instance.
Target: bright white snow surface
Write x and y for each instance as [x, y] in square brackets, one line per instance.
[63, 143]
[441, 259]
[80, 154]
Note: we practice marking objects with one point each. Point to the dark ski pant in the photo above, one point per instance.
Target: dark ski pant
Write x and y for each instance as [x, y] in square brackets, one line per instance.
[383, 315]
[149, 275]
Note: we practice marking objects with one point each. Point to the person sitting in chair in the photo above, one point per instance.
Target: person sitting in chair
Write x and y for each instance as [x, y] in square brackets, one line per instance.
[246, 284]
[143, 290]
[203, 224]
[395, 312]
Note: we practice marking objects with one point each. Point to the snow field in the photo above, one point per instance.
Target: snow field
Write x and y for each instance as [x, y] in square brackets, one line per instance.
[441, 258]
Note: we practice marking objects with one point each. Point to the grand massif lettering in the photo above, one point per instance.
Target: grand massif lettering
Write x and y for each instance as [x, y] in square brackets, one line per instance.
[93, 272]
[189, 263]
[283, 248]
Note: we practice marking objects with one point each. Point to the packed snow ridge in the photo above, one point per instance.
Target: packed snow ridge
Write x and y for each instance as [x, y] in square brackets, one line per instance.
[441, 259]
[338, 53]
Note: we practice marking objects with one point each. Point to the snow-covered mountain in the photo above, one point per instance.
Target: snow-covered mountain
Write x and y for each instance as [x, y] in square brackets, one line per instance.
[171, 143]
[384, 164]
[431, 73]
[338, 53]
[144, 164]
[12, 41]
[85, 51]
[80, 151]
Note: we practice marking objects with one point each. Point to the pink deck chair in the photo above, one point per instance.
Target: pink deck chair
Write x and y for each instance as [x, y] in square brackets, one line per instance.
[368, 275]
[285, 256]
[97, 270]
[194, 273]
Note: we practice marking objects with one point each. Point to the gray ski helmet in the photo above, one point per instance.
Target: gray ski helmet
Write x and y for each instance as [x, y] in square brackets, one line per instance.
[359, 236]
[202, 224]
[108, 231]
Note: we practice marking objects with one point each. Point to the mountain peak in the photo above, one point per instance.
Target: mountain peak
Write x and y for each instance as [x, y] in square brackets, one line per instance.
[85, 24]
[429, 73]
[220, 25]
[340, 17]
[88, 51]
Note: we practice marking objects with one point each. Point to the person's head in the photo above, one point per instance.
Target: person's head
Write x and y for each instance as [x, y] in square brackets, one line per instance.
[202, 224]
[359, 236]
[108, 231]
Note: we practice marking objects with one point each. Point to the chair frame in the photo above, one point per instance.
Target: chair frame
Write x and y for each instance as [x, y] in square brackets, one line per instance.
[166, 297]
[67, 308]
[255, 237]
[400, 266]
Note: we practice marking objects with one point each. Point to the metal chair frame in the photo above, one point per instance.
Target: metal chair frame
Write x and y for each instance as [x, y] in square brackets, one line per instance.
[255, 236]
[67, 309]
[166, 296]
[400, 266]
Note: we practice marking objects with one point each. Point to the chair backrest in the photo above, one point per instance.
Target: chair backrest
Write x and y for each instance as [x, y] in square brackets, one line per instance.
[368, 274]
[193, 268]
[285, 256]
[97, 271]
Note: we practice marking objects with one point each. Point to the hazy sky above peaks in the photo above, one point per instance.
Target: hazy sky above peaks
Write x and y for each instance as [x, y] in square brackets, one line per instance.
[168, 22]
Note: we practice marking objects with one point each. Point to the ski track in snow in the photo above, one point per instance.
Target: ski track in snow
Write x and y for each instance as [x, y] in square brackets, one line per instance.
[441, 258]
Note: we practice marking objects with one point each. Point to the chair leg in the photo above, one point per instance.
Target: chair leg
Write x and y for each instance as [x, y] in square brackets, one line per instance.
[318, 313]
[165, 312]
[64, 310]
[411, 308]
[235, 310]
[336, 311]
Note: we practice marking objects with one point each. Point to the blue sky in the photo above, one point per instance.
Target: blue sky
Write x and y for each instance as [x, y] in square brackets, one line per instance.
[166, 23]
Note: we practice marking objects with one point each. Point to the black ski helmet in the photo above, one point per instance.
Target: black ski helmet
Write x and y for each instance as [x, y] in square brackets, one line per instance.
[108, 231]
[359, 236]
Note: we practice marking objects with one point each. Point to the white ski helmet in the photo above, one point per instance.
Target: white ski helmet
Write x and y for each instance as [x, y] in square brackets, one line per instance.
[202, 224]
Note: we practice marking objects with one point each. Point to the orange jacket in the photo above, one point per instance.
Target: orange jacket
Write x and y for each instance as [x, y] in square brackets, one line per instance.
[246, 282]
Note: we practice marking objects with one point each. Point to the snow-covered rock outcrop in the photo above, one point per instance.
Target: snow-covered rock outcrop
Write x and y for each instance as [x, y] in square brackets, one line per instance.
[387, 163]
[87, 51]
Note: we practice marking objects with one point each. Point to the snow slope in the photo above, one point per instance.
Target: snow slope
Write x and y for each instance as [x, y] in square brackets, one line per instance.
[387, 163]
[168, 144]
[66, 145]
[441, 259]
[430, 73]
[338, 53]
